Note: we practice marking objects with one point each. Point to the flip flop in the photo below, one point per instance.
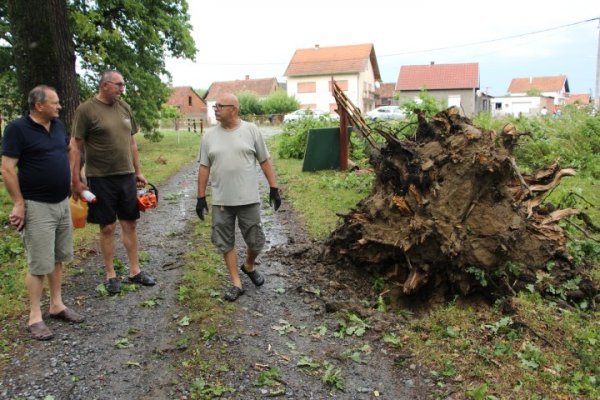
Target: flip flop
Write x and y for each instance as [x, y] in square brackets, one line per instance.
[68, 315]
[40, 331]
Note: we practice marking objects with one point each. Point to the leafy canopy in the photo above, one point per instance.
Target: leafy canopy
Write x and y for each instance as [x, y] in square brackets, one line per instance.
[132, 36]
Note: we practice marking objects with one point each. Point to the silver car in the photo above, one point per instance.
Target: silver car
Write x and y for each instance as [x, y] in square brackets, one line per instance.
[386, 113]
[307, 113]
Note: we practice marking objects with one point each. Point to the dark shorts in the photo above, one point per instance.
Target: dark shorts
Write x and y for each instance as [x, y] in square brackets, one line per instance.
[248, 219]
[116, 197]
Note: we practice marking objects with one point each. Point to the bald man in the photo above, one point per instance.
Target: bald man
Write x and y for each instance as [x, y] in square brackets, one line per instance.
[229, 154]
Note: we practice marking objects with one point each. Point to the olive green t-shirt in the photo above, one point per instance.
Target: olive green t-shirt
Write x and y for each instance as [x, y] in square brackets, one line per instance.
[106, 130]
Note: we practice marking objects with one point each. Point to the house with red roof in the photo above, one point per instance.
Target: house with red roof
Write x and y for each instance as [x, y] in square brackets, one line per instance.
[556, 87]
[453, 84]
[533, 96]
[583, 99]
[353, 67]
[189, 104]
[262, 88]
[384, 95]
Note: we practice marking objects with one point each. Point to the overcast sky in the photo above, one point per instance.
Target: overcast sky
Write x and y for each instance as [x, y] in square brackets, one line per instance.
[236, 38]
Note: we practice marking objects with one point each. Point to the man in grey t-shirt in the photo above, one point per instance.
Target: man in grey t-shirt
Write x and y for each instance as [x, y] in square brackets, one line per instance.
[229, 153]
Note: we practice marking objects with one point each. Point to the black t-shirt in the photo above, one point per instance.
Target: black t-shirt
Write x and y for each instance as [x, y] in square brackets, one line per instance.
[43, 162]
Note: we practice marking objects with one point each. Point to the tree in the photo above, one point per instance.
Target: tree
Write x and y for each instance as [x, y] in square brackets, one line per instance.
[280, 103]
[132, 36]
[43, 51]
[9, 100]
[249, 103]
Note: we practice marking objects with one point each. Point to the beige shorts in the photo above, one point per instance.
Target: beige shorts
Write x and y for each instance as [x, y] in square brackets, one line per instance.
[47, 235]
[248, 220]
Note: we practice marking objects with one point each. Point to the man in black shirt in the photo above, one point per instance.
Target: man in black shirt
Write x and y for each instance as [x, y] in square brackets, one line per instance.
[36, 145]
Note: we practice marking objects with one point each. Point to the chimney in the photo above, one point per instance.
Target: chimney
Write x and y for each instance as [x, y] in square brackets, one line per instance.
[316, 47]
[431, 62]
[247, 77]
[531, 79]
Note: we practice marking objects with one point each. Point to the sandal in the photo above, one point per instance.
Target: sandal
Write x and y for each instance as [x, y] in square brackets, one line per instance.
[255, 276]
[233, 293]
[40, 331]
[68, 315]
[113, 285]
[143, 278]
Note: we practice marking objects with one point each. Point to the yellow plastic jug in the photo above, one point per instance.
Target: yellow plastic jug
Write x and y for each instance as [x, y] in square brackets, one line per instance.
[79, 211]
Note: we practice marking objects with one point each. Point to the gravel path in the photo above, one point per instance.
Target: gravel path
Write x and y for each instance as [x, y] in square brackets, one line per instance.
[126, 351]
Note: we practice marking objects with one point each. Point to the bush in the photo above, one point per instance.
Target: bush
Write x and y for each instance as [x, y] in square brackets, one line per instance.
[295, 135]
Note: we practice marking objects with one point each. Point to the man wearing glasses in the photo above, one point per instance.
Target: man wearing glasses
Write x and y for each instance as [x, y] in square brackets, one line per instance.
[229, 153]
[104, 127]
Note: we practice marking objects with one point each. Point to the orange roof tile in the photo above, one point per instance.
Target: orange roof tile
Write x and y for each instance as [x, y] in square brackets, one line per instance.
[261, 87]
[582, 99]
[542, 83]
[438, 76]
[333, 60]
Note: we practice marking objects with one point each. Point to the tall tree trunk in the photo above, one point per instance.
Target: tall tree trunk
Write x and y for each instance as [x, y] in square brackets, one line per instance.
[43, 50]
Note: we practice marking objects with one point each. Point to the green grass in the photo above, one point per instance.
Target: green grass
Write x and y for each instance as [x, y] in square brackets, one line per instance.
[317, 196]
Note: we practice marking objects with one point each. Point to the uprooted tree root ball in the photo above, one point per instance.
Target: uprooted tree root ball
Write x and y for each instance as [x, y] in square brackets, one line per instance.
[449, 211]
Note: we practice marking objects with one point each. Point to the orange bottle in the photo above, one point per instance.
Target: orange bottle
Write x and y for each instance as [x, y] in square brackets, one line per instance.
[79, 210]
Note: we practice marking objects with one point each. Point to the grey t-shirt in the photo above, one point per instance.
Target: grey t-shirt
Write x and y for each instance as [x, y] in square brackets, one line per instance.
[232, 155]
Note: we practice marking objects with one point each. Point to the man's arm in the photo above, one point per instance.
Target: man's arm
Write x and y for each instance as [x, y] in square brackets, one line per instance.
[75, 150]
[203, 172]
[136, 162]
[267, 168]
[11, 181]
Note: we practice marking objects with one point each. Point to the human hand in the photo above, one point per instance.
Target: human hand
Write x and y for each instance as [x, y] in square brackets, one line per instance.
[77, 189]
[200, 207]
[274, 198]
[140, 180]
[17, 217]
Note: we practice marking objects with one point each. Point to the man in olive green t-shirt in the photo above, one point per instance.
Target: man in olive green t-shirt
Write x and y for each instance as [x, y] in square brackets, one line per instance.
[104, 127]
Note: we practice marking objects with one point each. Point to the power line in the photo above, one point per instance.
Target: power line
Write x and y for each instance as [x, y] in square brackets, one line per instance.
[492, 40]
[429, 50]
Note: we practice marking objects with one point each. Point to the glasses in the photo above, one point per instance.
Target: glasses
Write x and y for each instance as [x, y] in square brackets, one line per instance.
[119, 84]
[220, 106]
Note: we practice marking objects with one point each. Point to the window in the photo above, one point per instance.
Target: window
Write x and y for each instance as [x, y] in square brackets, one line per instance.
[307, 87]
[190, 101]
[342, 84]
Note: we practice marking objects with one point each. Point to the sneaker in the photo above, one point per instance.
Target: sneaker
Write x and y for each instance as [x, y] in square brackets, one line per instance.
[143, 278]
[233, 293]
[255, 276]
[113, 285]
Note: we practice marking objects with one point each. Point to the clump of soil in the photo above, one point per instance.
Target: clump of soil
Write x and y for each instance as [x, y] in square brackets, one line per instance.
[450, 212]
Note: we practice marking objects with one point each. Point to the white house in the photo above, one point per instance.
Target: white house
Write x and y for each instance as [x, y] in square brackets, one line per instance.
[353, 67]
[556, 87]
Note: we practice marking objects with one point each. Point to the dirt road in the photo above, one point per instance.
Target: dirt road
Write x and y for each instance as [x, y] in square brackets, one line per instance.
[292, 323]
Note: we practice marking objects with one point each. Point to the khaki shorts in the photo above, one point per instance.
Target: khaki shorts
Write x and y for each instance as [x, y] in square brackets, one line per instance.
[47, 235]
[248, 219]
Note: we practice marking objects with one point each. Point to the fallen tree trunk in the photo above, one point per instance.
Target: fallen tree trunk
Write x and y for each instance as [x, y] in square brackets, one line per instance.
[450, 210]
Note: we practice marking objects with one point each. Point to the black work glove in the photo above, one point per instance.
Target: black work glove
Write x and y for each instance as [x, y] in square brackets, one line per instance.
[274, 197]
[200, 207]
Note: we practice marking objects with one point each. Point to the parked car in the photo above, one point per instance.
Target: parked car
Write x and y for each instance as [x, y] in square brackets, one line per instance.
[308, 113]
[386, 113]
